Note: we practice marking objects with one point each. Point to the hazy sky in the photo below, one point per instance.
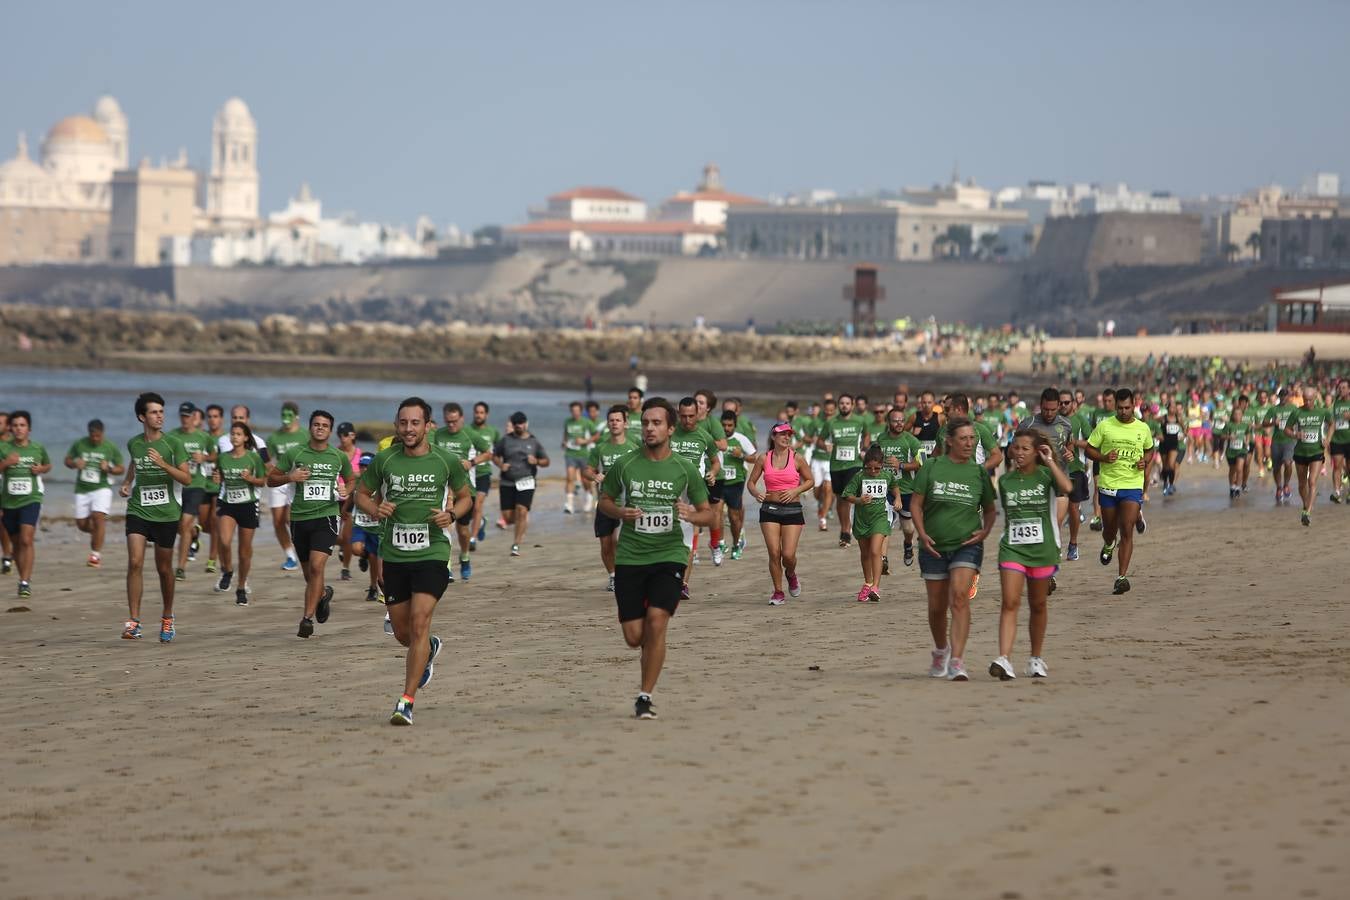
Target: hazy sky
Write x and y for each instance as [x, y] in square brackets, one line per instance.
[472, 112]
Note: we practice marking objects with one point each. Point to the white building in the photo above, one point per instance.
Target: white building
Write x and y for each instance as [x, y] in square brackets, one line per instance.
[592, 204]
[1119, 198]
[1323, 184]
[232, 187]
[707, 204]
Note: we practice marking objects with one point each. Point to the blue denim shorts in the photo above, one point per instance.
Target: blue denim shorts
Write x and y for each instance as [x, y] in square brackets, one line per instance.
[938, 568]
[1110, 499]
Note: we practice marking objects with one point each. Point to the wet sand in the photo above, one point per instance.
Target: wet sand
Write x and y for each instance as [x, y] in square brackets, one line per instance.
[1189, 742]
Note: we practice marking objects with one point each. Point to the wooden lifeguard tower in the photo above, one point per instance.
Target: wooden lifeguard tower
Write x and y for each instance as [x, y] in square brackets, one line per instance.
[864, 293]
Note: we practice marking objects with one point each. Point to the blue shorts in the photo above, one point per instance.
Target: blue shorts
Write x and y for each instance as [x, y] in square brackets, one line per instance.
[14, 519]
[368, 539]
[938, 568]
[1110, 498]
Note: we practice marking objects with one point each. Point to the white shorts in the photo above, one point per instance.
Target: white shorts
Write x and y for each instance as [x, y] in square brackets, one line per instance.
[99, 501]
[820, 471]
[277, 497]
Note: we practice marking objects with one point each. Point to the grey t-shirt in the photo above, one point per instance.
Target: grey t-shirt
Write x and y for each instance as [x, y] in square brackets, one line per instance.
[1057, 432]
[514, 451]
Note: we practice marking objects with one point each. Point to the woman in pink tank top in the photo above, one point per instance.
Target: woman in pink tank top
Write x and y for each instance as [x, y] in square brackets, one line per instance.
[786, 477]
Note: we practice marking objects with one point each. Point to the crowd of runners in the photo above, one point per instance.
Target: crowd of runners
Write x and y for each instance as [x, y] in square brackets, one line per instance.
[664, 478]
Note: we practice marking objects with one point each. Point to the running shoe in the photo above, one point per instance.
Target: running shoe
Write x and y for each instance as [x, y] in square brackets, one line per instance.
[364, 564]
[1072, 555]
[567, 505]
[95, 561]
[885, 565]
[642, 707]
[290, 565]
[501, 523]
[873, 596]
[373, 594]
[402, 712]
[25, 589]
[717, 556]
[179, 575]
[777, 599]
[131, 630]
[241, 597]
[610, 586]
[862, 593]
[736, 552]
[450, 572]
[1002, 669]
[1054, 585]
[7, 564]
[325, 607]
[1305, 517]
[388, 624]
[210, 567]
[975, 586]
[482, 531]
[1036, 668]
[306, 627]
[845, 539]
[956, 670]
[740, 545]
[473, 544]
[909, 554]
[1335, 497]
[465, 570]
[941, 662]
[1108, 550]
[166, 629]
[431, 662]
[1122, 585]
[223, 583]
[824, 526]
[1095, 524]
[684, 592]
[345, 575]
[794, 585]
[515, 549]
[1140, 526]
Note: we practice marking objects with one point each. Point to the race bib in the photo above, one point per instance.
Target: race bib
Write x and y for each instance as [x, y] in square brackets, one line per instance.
[411, 537]
[1110, 492]
[361, 520]
[207, 469]
[928, 447]
[319, 491]
[1024, 531]
[1310, 437]
[155, 496]
[658, 521]
[19, 487]
[873, 487]
[525, 484]
[91, 474]
[237, 495]
[846, 453]
[1173, 429]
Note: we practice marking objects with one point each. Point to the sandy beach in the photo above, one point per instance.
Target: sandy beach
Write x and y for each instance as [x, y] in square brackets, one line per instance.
[1190, 741]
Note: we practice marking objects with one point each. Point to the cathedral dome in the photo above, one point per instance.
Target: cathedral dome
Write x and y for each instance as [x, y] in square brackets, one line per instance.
[80, 129]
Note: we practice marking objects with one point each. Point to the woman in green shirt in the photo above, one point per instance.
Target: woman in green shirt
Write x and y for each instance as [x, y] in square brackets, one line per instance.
[953, 512]
[867, 492]
[239, 473]
[1028, 553]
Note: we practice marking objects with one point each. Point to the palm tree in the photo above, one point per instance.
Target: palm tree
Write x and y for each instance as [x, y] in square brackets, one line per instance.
[1254, 241]
[987, 242]
[1231, 250]
[940, 244]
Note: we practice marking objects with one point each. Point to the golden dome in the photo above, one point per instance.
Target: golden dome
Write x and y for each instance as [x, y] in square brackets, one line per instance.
[78, 128]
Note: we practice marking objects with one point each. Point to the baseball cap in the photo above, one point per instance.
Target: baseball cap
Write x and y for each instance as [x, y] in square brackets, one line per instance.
[518, 418]
[346, 428]
[780, 428]
[186, 408]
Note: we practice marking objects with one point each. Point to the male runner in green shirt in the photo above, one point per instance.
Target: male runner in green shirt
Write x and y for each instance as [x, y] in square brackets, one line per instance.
[94, 458]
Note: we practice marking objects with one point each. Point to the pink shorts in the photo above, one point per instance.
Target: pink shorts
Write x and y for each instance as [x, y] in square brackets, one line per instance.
[1035, 573]
[1197, 432]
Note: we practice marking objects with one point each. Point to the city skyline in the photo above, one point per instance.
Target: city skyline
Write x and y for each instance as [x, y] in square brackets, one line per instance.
[468, 117]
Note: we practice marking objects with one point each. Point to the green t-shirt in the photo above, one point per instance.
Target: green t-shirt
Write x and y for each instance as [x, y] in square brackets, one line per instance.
[462, 445]
[694, 445]
[634, 428]
[876, 429]
[604, 454]
[155, 496]
[234, 490]
[22, 487]
[577, 435]
[92, 477]
[953, 494]
[803, 427]
[196, 442]
[490, 434]
[1258, 413]
[845, 439]
[417, 486]
[1131, 440]
[316, 497]
[734, 469]
[283, 443]
[873, 516]
[1030, 535]
[1279, 415]
[905, 447]
[1310, 427]
[1239, 435]
[1340, 419]
[654, 486]
[209, 468]
[1082, 427]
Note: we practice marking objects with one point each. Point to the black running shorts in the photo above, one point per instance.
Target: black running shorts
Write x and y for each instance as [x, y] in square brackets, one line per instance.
[636, 588]
[403, 579]
[314, 536]
[161, 534]
[604, 525]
